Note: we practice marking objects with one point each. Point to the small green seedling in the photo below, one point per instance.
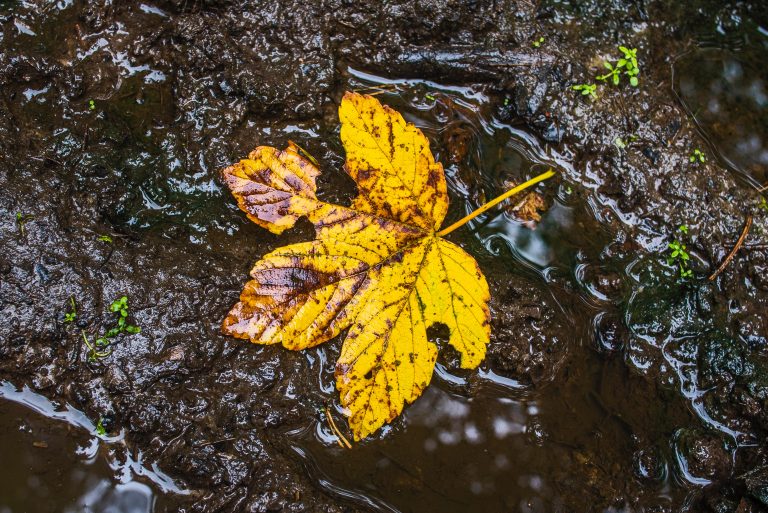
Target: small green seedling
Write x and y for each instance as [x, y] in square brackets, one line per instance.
[21, 220]
[91, 105]
[763, 204]
[626, 65]
[623, 143]
[679, 256]
[93, 353]
[120, 307]
[586, 89]
[105, 238]
[537, 43]
[71, 316]
[100, 429]
[430, 97]
[697, 155]
[101, 346]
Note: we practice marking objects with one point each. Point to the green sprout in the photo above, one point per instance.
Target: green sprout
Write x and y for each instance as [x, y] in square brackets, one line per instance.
[105, 238]
[120, 307]
[71, 316]
[91, 105]
[679, 256]
[763, 204]
[538, 42]
[100, 429]
[697, 155]
[21, 220]
[623, 143]
[586, 89]
[626, 65]
[101, 346]
[93, 353]
[430, 97]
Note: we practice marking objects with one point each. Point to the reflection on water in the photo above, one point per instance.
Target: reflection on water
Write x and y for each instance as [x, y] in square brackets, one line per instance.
[727, 94]
[533, 246]
[492, 449]
[52, 461]
[484, 441]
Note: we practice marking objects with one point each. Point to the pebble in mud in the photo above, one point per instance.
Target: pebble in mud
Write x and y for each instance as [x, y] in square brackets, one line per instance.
[649, 464]
[524, 344]
[702, 456]
[610, 334]
[535, 432]
[602, 284]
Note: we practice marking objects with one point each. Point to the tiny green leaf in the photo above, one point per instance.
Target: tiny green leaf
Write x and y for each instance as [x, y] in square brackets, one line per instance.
[100, 429]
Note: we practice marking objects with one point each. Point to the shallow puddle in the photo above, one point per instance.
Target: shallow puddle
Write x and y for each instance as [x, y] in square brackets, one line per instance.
[724, 87]
[53, 461]
[608, 403]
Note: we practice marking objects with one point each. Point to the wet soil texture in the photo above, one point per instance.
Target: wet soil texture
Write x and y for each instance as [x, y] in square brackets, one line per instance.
[619, 377]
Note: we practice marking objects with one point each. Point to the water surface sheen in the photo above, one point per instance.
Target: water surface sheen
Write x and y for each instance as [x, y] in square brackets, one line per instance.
[592, 388]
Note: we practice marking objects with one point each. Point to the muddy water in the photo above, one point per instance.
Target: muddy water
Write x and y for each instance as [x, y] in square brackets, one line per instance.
[486, 440]
[602, 390]
[54, 461]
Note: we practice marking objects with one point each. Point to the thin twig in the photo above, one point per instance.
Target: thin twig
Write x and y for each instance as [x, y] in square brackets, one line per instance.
[41, 159]
[339, 436]
[229, 439]
[381, 88]
[736, 247]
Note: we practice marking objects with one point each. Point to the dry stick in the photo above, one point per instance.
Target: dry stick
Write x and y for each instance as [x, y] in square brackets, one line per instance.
[304, 152]
[339, 436]
[228, 439]
[464, 220]
[377, 86]
[736, 247]
[380, 89]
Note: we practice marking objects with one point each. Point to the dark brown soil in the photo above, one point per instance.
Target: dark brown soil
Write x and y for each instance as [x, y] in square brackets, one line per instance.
[611, 384]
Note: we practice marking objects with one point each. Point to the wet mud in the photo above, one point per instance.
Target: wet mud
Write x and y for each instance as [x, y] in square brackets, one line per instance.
[611, 383]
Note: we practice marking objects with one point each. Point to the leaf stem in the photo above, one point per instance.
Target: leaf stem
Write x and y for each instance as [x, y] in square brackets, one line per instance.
[464, 220]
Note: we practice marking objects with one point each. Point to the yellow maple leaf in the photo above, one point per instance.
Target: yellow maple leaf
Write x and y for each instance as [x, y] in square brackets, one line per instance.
[378, 268]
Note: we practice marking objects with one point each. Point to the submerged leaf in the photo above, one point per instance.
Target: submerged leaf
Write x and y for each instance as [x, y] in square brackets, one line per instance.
[376, 268]
[528, 207]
